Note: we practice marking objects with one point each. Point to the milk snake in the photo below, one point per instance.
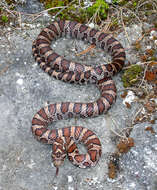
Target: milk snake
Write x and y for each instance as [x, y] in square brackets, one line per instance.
[63, 140]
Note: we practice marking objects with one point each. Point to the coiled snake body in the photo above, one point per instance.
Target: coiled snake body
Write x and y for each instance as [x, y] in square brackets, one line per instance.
[63, 140]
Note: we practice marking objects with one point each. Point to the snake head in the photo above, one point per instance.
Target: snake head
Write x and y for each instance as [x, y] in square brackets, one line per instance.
[58, 152]
[58, 158]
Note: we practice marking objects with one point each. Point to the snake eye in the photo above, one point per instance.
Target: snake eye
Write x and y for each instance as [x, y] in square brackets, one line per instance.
[56, 67]
[94, 78]
[58, 154]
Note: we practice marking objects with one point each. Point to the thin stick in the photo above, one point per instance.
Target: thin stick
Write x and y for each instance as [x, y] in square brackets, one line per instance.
[140, 5]
[115, 131]
[144, 75]
[121, 11]
[86, 50]
[136, 114]
[45, 11]
[20, 20]
[64, 8]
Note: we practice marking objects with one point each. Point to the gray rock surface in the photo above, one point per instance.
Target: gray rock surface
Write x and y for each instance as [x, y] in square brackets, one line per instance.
[25, 164]
[139, 164]
[28, 6]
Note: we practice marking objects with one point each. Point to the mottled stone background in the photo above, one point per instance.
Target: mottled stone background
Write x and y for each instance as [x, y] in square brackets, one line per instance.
[25, 164]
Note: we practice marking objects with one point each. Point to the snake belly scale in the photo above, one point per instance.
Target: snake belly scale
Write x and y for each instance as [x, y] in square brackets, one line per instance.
[64, 139]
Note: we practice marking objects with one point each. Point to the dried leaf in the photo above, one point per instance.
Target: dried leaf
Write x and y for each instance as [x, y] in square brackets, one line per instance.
[150, 76]
[144, 57]
[128, 105]
[125, 145]
[125, 93]
[153, 63]
[150, 52]
[150, 129]
[150, 106]
[111, 170]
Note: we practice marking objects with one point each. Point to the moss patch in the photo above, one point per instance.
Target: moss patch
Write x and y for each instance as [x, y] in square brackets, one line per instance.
[131, 75]
[9, 2]
[76, 11]
[4, 18]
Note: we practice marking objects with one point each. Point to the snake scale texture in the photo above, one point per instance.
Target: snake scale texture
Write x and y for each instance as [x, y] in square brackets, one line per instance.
[64, 139]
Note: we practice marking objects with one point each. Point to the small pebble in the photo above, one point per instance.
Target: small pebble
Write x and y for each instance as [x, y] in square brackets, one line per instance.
[91, 25]
[70, 179]
[19, 81]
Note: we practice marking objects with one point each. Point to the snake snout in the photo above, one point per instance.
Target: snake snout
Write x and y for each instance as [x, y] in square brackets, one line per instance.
[58, 158]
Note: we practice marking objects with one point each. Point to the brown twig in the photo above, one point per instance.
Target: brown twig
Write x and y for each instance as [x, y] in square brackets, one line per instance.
[121, 14]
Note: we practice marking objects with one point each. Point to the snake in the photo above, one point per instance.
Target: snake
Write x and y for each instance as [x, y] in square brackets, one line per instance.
[64, 140]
